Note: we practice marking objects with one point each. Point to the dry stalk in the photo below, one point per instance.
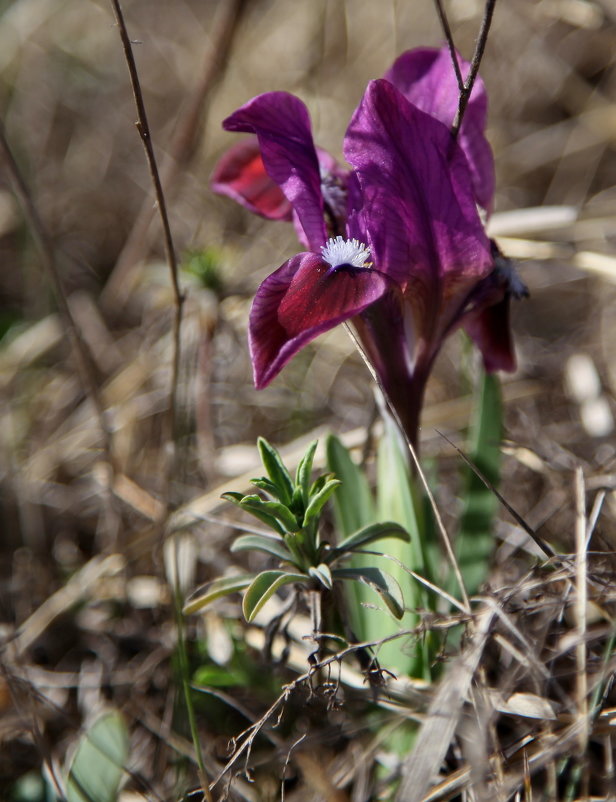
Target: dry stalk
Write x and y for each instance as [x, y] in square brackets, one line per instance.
[581, 603]
[180, 148]
[169, 444]
[466, 87]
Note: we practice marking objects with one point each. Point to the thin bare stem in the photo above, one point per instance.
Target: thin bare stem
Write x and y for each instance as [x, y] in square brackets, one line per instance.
[180, 148]
[581, 602]
[450, 43]
[476, 61]
[144, 132]
[545, 547]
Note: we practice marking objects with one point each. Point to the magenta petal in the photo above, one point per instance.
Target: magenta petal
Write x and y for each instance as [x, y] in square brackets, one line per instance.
[240, 174]
[419, 215]
[302, 299]
[282, 125]
[490, 330]
[427, 79]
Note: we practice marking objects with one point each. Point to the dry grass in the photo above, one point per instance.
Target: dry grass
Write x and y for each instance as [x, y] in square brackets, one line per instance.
[85, 607]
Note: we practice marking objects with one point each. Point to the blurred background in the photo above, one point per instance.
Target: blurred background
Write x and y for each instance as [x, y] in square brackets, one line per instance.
[69, 118]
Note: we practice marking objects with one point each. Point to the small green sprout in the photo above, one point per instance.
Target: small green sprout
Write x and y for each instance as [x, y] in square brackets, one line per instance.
[291, 509]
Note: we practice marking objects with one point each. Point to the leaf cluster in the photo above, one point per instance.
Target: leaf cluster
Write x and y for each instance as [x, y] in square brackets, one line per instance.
[291, 508]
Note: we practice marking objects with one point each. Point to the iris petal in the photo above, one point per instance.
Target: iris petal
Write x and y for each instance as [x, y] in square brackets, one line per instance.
[302, 299]
[241, 175]
[490, 330]
[419, 216]
[282, 125]
[427, 79]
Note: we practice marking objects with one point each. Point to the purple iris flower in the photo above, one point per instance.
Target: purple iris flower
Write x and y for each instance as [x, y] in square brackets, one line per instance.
[395, 245]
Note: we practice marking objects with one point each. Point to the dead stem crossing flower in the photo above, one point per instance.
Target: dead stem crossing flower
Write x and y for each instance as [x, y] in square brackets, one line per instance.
[395, 245]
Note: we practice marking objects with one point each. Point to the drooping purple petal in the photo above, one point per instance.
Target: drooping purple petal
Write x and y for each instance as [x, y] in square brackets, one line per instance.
[240, 174]
[487, 318]
[282, 125]
[302, 299]
[490, 330]
[418, 216]
[427, 79]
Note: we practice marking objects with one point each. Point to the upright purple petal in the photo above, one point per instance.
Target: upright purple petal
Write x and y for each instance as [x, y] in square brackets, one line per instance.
[240, 174]
[427, 79]
[302, 299]
[418, 216]
[282, 125]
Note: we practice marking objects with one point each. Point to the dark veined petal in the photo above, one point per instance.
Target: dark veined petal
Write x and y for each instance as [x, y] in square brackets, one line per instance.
[302, 299]
[427, 79]
[282, 125]
[487, 317]
[490, 330]
[240, 174]
[419, 216]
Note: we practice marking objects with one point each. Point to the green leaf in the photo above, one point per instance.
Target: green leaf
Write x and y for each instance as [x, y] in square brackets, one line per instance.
[276, 470]
[475, 541]
[262, 515]
[304, 471]
[353, 503]
[95, 772]
[219, 677]
[269, 545]
[322, 573]
[317, 501]
[369, 534]
[399, 501]
[233, 496]
[380, 581]
[222, 586]
[263, 587]
[265, 484]
[274, 508]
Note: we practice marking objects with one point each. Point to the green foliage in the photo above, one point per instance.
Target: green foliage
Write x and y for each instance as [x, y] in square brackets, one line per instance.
[354, 506]
[475, 542]
[394, 501]
[95, 772]
[205, 265]
[292, 510]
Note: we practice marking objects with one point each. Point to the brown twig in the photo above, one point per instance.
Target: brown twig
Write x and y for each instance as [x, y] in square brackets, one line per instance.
[442, 15]
[545, 547]
[465, 87]
[144, 132]
[480, 47]
[180, 148]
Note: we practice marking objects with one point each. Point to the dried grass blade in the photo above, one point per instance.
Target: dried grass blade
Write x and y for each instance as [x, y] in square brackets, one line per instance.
[435, 736]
